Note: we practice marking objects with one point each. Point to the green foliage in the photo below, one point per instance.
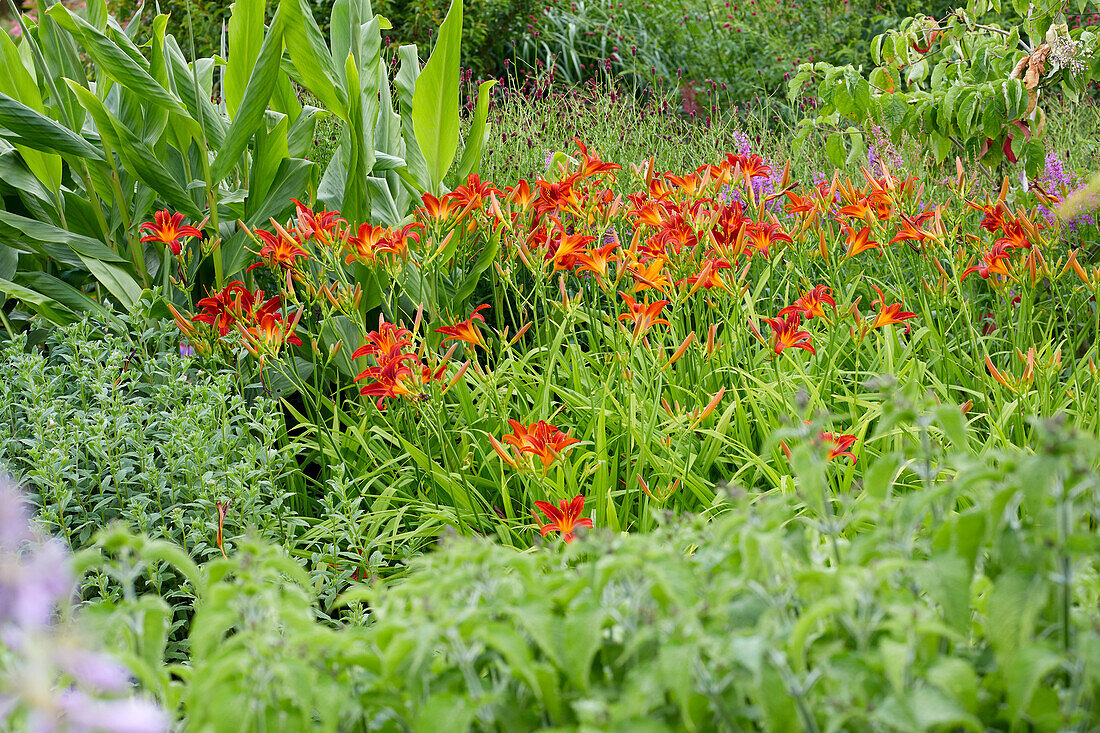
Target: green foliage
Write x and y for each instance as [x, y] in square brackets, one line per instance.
[106, 421]
[490, 28]
[947, 591]
[716, 51]
[86, 162]
[969, 84]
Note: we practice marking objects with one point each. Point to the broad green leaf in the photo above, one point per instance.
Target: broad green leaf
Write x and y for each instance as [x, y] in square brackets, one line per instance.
[478, 134]
[116, 280]
[311, 58]
[246, 37]
[18, 84]
[435, 100]
[47, 233]
[41, 304]
[250, 115]
[270, 149]
[117, 64]
[40, 132]
[406, 86]
[834, 148]
[139, 158]
[61, 292]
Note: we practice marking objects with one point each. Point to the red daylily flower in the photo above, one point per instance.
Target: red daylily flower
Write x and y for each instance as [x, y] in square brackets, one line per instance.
[166, 228]
[564, 518]
[224, 308]
[786, 334]
[840, 445]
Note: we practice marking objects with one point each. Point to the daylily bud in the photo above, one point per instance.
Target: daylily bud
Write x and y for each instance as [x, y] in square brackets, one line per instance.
[519, 333]
[709, 408]
[680, 351]
[711, 332]
[458, 375]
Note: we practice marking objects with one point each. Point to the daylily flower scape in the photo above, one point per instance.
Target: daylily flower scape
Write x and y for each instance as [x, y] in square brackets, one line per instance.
[564, 344]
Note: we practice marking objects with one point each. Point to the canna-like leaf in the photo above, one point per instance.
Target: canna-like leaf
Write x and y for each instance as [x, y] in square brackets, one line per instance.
[406, 87]
[478, 134]
[311, 58]
[117, 64]
[250, 115]
[138, 156]
[41, 304]
[246, 37]
[33, 129]
[435, 100]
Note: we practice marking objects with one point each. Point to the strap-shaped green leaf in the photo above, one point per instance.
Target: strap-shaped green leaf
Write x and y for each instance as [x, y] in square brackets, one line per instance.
[435, 100]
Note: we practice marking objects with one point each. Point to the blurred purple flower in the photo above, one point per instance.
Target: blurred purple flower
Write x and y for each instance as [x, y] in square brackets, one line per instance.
[50, 682]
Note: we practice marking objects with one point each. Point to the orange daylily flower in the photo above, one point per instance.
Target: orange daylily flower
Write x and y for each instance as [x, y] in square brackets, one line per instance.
[473, 193]
[860, 242]
[521, 195]
[708, 277]
[763, 234]
[1015, 235]
[860, 210]
[643, 315]
[597, 260]
[363, 245]
[564, 518]
[321, 224]
[994, 214]
[541, 439]
[268, 333]
[466, 330]
[565, 250]
[436, 209]
[911, 229]
[384, 340]
[786, 334]
[166, 228]
[812, 303]
[396, 376]
[591, 164]
[556, 196]
[652, 275]
[889, 314]
[994, 262]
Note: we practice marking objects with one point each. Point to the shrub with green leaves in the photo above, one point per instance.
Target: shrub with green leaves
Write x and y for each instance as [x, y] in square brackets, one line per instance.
[108, 422]
[946, 591]
[971, 84]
